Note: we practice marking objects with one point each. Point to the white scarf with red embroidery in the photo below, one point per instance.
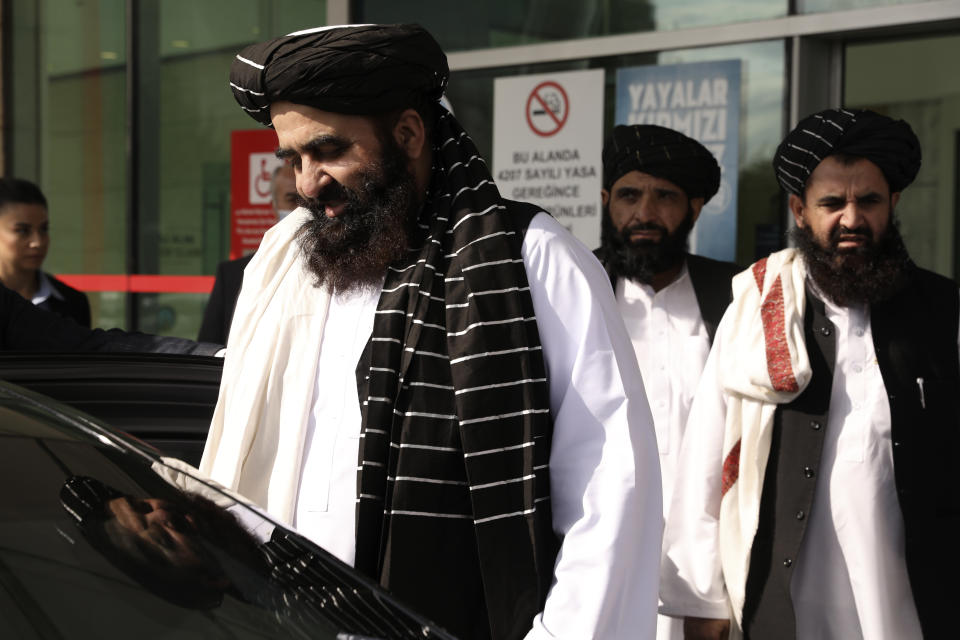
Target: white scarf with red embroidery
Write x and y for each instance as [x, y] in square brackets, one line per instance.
[763, 363]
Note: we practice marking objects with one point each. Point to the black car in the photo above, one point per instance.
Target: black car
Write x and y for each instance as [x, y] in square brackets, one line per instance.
[101, 536]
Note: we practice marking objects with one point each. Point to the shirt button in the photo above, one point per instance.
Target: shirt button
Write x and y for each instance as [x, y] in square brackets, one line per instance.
[788, 563]
[815, 425]
[857, 368]
[825, 331]
[858, 331]
[800, 515]
[807, 473]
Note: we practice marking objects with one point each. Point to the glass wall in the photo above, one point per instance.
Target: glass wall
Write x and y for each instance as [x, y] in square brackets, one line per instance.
[68, 131]
[497, 23]
[917, 80]
[185, 157]
[761, 123]
[817, 6]
[68, 116]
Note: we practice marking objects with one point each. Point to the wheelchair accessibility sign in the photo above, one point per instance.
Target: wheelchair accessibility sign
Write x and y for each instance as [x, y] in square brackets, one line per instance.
[262, 166]
[252, 164]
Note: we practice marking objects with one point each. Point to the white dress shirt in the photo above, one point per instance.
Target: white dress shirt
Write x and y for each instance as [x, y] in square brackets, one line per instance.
[326, 502]
[605, 479]
[850, 579]
[671, 344]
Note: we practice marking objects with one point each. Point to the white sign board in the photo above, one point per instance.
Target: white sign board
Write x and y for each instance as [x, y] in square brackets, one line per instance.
[547, 144]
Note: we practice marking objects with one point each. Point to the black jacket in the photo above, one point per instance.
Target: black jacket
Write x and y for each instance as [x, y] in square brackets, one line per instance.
[26, 327]
[71, 303]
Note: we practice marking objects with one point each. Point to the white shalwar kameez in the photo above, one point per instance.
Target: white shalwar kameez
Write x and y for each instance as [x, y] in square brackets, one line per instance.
[671, 344]
[606, 573]
[850, 579]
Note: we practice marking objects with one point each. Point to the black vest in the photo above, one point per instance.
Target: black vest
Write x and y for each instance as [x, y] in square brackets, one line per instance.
[915, 337]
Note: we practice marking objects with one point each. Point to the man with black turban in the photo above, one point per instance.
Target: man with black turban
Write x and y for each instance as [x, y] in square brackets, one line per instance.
[827, 421]
[655, 183]
[427, 379]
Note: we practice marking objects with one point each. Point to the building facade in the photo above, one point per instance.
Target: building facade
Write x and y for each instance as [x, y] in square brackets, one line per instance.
[121, 112]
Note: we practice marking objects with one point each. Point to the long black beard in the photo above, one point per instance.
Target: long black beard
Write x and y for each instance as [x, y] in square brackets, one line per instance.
[644, 259]
[864, 275]
[352, 251]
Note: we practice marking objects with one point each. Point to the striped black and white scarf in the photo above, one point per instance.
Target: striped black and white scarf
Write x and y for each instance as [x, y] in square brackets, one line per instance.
[453, 486]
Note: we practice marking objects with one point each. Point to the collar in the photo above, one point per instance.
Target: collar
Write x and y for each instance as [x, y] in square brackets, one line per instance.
[636, 290]
[831, 309]
[45, 290]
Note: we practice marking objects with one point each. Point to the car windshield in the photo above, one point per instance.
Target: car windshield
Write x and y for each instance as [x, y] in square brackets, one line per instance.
[98, 538]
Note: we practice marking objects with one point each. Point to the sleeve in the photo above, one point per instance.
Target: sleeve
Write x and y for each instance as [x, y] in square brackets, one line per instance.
[83, 306]
[604, 467]
[691, 581]
[24, 327]
[78, 306]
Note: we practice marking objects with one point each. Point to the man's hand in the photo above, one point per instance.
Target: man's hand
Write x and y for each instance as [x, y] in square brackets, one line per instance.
[705, 629]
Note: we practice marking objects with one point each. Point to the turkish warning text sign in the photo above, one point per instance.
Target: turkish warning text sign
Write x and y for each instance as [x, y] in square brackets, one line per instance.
[252, 163]
[547, 141]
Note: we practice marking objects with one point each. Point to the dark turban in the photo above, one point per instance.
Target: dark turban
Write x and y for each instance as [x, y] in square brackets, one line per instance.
[662, 153]
[890, 144]
[358, 70]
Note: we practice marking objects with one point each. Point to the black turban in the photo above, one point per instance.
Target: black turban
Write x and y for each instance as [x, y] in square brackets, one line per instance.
[358, 70]
[890, 144]
[662, 153]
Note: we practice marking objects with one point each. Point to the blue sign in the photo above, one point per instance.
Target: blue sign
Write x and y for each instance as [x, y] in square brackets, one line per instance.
[701, 100]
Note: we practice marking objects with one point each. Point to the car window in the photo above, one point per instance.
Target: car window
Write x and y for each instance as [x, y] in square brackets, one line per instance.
[100, 539]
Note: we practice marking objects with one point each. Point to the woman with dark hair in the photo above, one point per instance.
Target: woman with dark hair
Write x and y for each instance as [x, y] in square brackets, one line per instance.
[24, 240]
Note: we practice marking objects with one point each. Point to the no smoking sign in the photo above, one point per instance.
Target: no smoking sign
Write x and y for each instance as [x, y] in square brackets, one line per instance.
[551, 154]
[547, 108]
